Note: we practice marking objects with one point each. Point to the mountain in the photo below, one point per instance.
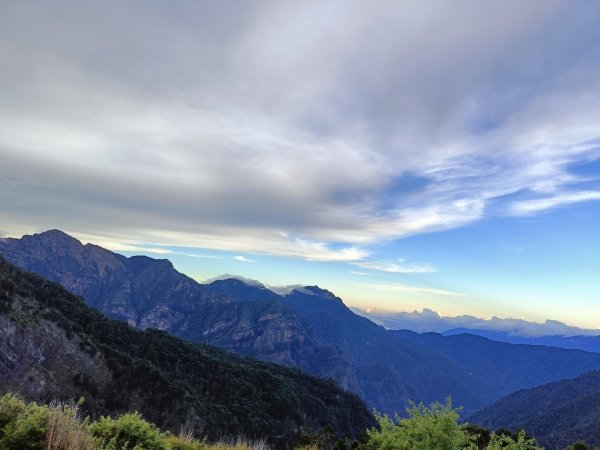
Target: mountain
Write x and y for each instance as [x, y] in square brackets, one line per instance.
[505, 367]
[386, 368]
[580, 342]
[150, 293]
[557, 414]
[309, 328]
[430, 321]
[54, 346]
[250, 320]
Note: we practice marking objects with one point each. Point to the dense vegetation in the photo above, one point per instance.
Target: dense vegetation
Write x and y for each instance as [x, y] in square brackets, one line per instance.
[171, 381]
[61, 426]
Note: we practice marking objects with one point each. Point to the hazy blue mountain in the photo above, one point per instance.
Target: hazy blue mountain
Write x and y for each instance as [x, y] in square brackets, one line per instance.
[506, 367]
[557, 414]
[54, 346]
[581, 342]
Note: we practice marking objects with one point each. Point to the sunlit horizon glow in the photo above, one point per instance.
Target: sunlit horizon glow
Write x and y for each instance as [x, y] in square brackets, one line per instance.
[403, 156]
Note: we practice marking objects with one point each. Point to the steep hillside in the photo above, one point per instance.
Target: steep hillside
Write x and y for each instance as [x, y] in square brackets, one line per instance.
[506, 367]
[557, 414]
[53, 346]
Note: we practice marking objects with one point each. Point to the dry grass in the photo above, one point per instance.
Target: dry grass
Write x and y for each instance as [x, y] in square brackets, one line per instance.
[66, 430]
[239, 443]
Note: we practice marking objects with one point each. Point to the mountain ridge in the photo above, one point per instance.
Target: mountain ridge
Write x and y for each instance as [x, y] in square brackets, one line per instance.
[557, 413]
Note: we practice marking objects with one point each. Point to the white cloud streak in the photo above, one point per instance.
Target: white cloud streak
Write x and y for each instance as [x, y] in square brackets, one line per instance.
[542, 204]
[393, 267]
[241, 258]
[407, 289]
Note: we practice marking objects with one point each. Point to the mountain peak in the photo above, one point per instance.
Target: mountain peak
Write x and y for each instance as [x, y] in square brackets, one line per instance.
[235, 280]
[315, 291]
[54, 235]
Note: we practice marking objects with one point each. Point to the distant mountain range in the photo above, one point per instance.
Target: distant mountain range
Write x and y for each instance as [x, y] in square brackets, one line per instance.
[581, 342]
[503, 367]
[557, 414]
[309, 328]
[53, 346]
[427, 320]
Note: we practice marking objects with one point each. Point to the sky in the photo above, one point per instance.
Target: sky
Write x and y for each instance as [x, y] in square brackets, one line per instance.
[404, 155]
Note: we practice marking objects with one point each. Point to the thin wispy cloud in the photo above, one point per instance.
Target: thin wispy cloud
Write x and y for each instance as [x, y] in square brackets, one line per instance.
[544, 204]
[362, 274]
[408, 289]
[244, 259]
[396, 267]
[195, 255]
[120, 247]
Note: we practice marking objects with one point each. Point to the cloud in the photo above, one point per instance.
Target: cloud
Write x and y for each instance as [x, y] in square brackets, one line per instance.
[354, 272]
[228, 276]
[393, 267]
[195, 255]
[284, 290]
[267, 130]
[543, 204]
[403, 288]
[120, 247]
[244, 259]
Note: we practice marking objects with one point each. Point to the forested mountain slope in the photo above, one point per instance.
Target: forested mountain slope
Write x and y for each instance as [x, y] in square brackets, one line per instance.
[54, 346]
[557, 414]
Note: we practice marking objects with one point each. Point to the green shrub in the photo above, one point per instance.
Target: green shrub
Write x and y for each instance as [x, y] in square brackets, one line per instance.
[183, 443]
[27, 429]
[128, 432]
[10, 407]
[506, 442]
[433, 428]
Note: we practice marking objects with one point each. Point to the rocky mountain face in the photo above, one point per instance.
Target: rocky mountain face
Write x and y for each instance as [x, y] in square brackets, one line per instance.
[308, 328]
[54, 346]
[557, 413]
[149, 293]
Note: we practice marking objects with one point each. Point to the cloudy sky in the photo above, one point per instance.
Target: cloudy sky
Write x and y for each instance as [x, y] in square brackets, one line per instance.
[402, 154]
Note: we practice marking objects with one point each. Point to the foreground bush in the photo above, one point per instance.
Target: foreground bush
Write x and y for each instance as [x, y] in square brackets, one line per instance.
[128, 432]
[437, 428]
[24, 425]
[433, 428]
[60, 426]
